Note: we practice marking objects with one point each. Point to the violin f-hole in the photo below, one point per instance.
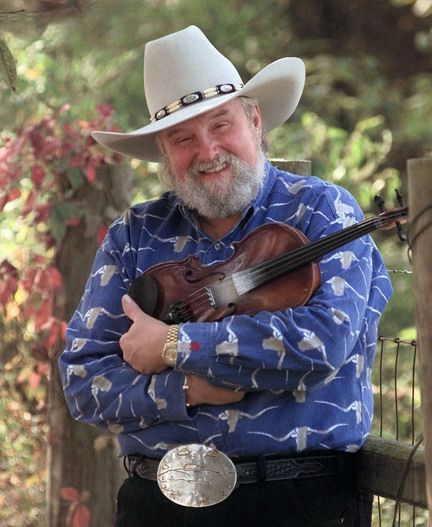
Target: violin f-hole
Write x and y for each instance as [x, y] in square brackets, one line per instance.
[189, 274]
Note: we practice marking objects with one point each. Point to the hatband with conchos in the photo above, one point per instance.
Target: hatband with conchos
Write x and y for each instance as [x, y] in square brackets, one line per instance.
[192, 98]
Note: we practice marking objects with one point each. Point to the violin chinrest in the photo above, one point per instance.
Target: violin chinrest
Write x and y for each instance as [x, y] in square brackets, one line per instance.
[144, 291]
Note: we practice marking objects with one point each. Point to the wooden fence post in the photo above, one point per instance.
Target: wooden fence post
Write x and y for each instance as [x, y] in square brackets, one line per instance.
[302, 167]
[420, 238]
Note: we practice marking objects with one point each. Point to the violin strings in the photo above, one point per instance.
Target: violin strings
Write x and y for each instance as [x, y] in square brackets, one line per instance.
[319, 248]
[249, 279]
[261, 273]
[284, 263]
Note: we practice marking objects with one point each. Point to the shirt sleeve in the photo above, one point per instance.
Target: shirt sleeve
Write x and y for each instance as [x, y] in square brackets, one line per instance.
[299, 348]
[99, 386]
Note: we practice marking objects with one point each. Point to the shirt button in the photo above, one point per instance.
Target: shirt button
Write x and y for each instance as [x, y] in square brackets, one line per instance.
[217, 246]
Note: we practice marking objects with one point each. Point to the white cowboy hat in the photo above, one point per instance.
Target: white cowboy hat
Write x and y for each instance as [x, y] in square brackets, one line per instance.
[185, 76]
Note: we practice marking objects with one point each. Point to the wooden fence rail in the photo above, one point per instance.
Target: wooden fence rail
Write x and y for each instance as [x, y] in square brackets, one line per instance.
[386, 469]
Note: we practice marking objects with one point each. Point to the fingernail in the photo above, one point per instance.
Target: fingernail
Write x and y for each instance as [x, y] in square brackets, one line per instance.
[126, 299]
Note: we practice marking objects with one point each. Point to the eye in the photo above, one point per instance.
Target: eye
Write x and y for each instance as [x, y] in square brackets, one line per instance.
[183, 140]
[222, 124]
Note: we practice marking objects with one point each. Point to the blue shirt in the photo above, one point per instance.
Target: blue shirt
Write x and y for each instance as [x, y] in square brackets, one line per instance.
[307, 370]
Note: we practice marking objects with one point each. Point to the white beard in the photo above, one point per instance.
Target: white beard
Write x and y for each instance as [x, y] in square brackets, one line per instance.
[224, 197]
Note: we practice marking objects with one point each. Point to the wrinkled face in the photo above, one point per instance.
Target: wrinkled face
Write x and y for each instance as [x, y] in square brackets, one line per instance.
[215, 161]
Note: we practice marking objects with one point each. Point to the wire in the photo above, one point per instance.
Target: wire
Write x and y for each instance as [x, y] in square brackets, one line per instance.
[404, 478]
[412, 239]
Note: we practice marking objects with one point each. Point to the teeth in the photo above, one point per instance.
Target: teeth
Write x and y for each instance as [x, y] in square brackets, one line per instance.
[213, 168]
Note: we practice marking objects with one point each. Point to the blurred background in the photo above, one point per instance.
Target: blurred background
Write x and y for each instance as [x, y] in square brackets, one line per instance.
[70, 66]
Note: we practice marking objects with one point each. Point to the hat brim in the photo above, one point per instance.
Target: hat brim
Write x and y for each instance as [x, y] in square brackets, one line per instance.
[277, 88]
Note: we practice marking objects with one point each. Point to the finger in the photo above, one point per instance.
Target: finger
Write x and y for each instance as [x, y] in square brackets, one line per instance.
[130, 308]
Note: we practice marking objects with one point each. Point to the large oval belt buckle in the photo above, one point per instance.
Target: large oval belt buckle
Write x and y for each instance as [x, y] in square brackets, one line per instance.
[196, 475]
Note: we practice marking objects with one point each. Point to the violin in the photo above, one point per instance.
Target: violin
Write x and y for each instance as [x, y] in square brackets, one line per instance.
[274, 267]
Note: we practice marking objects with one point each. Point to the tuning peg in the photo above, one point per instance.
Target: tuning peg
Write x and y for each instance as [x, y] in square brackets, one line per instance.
[399, 198]
[379, 202]
[402, 236]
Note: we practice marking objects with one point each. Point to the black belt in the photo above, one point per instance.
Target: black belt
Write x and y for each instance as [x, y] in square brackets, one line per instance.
[264, 468]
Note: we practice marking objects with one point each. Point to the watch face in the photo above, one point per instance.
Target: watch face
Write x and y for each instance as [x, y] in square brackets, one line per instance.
[170, 352]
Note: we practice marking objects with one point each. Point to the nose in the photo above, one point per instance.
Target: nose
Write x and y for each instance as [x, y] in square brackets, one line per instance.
[208, 147]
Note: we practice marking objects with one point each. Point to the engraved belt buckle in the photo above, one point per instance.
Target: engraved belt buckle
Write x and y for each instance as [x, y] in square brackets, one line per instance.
[196, 475]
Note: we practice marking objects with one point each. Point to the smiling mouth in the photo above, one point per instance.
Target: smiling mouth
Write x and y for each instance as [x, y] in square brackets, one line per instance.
[213, 168]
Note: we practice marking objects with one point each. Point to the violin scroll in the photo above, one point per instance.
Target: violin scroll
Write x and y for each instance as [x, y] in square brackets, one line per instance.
[393, 217]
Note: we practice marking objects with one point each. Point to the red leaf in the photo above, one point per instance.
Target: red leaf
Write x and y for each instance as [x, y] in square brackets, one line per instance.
[54, 332]
[69, 494]
[105, 110]
[13, 193]
[3, 201]
[37, 141]
[90, 174]
[38, 259]
[74, 221]
[70, 131]
[101, 234]
[29, 278]
[6, 268]
[34, 380]
[81, 516]
[43, 368]
[8, 281]
[42, 212]
[76, 161]
[63, 328]
[37, 175]
[55, 277]
[39, 279]
[43, 314]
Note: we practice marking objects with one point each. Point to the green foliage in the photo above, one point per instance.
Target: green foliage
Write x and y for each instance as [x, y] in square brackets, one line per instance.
[23, 432]
[352, 159]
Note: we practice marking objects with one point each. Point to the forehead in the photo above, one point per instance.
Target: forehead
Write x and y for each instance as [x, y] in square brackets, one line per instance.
[228, 109]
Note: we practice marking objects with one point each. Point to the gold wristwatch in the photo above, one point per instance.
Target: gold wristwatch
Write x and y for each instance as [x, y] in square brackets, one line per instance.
[169, 352]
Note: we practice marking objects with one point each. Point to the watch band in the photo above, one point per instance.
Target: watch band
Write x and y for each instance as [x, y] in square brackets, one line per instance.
[169, 352]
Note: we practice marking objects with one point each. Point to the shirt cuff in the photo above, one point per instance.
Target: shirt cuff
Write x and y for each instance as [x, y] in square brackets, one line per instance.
[196, 347]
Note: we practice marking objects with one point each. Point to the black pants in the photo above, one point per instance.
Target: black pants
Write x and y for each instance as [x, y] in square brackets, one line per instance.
[312, 502]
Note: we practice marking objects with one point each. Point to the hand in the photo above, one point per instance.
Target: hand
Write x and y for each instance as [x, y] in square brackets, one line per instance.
[142, 345]
[199, 391]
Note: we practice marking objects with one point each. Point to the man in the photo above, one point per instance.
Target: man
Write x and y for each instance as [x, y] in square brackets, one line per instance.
[257, 416]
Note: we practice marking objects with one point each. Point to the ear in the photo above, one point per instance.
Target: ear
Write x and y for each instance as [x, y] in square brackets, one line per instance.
[257, 123]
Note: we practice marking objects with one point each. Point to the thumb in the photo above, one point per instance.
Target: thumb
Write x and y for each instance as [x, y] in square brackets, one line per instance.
[130, 308]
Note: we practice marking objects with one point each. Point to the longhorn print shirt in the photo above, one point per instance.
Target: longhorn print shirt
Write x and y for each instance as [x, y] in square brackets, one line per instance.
[306, 370]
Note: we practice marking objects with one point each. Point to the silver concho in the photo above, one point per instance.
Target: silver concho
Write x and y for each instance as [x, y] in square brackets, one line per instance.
[226, 88]
[196, 475]
[189, 99]
[161, 113]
